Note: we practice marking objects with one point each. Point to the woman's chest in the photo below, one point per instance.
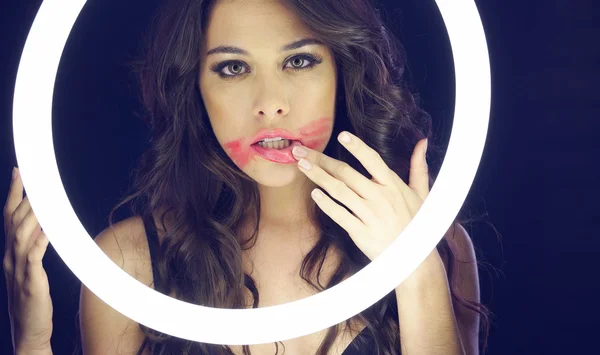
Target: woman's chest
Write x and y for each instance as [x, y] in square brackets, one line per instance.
[278, 280]
[306, 345]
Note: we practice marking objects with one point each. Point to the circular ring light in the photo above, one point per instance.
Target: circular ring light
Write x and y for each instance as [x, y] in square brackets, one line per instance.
[39, 171]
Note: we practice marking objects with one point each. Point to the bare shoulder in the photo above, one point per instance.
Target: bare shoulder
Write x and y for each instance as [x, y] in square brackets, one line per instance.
[125, 243]
[462, 246]
[465, 278]
[104, 330]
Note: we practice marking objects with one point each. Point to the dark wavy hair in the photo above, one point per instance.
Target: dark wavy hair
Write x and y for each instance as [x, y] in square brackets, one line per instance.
[188, 177]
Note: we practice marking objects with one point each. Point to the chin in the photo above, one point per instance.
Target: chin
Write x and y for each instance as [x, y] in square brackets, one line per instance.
[276, 175]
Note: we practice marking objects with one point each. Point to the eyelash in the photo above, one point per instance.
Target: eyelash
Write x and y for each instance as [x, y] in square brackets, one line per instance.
[313, 60]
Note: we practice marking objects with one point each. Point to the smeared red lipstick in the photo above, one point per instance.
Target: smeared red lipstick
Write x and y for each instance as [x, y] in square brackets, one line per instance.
[312, 135]
[315, 132]
[238, 152]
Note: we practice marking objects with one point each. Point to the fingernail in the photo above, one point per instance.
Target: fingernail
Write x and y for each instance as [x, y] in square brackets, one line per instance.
[15, 173]
[344, 137]
[426, 143]
[299, 152]
[317, 194]
[305, 164]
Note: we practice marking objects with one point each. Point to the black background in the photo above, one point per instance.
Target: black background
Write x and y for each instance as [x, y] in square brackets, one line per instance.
[536, 183]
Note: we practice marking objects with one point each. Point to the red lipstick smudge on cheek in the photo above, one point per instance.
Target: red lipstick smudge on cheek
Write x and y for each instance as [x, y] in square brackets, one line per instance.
[313, 133]
[238, 152]
[317, 127]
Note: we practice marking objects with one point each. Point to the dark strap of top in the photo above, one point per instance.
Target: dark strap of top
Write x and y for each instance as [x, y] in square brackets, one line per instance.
[363, 344]
[152, 236]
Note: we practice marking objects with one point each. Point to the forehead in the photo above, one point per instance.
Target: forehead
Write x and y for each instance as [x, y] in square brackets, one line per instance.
[257, 23]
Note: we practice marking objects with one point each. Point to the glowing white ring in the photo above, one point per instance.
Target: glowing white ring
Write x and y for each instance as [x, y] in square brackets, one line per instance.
[35, 155]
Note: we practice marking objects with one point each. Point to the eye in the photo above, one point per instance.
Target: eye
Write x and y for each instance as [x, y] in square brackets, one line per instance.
[233, 69]
[230, 69]
[297, 62]
[303, 61]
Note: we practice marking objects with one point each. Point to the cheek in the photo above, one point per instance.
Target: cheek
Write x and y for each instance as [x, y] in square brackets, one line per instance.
[316, 133]
[224, 117]
[218, 111]
[228, 134]
[317, 100]
[238, 152]
[227, 129]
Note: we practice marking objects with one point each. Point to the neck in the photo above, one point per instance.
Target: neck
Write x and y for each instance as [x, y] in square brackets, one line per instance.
[285, 214]
[288, 205]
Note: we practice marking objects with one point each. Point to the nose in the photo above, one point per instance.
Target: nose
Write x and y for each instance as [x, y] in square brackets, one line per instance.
[271, 103]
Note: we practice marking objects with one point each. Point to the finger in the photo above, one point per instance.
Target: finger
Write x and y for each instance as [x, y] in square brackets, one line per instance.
[35, 275]
[340, 170]
[368, 157]
[18, 223]
[419, 172]
[14, 242]
[24, 241]
[7, 264]
[36, 254]
[337, 189]
[13, 200]
[15, 196]
[338, 214]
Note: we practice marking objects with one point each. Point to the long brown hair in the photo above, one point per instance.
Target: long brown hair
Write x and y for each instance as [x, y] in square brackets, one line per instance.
[201, 192]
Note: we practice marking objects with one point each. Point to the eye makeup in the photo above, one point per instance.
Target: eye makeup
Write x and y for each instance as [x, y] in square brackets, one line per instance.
[311, 60]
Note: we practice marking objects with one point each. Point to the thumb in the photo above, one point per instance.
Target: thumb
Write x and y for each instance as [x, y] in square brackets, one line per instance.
[419, 172]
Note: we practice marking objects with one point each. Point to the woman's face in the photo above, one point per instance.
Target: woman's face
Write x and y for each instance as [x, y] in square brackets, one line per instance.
[264, 75]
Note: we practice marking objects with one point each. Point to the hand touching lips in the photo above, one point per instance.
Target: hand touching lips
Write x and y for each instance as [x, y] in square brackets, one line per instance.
[381, 207]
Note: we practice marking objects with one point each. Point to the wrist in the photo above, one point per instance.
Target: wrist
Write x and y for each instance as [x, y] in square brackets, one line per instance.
[33, 350]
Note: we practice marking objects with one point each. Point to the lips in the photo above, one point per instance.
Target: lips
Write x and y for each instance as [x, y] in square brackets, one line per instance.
[282, 156]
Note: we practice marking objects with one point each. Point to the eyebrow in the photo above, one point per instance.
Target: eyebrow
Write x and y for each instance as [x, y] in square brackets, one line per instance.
[288, 47]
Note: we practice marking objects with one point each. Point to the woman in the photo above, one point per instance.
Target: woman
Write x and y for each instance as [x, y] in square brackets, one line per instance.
[249, 195]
